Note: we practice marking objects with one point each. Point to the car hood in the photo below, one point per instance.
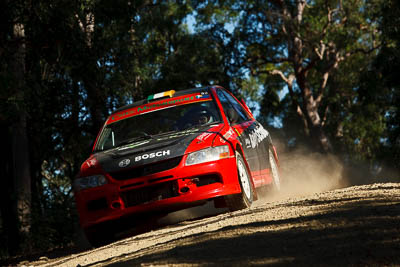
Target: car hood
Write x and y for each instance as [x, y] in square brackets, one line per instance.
[156, 149]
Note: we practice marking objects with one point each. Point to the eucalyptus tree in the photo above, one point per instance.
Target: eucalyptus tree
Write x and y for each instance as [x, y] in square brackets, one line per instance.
[305, 43]
[299, 46]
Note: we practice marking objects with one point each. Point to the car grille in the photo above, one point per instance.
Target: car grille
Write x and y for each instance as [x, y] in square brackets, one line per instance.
[147, 169]
[149, 194]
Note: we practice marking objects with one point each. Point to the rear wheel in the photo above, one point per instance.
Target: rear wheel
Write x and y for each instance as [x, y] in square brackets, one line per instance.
[276, 180]
[245, 198]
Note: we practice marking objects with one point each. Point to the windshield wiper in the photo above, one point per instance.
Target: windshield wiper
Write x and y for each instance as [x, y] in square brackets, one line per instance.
[165, 133]
[142, 137]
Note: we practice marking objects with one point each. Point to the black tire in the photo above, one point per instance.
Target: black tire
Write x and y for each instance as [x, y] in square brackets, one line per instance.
[99, 236]
[276, 179]
[244, 199]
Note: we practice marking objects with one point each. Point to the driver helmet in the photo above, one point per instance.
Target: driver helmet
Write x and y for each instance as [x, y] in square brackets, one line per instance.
[202, 116]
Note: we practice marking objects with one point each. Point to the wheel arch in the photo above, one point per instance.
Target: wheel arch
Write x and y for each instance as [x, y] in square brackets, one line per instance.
[273, 148]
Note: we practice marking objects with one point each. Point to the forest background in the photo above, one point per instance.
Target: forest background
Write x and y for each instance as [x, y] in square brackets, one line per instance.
[320, 74]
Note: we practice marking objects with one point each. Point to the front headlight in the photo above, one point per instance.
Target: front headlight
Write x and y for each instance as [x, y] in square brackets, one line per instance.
[89, 182]
[208, 154]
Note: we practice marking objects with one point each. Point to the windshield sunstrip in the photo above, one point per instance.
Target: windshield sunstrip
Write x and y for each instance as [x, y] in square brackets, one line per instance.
[187, 99]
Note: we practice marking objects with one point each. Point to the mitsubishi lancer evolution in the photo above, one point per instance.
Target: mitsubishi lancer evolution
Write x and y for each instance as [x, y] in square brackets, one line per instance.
[171, 151]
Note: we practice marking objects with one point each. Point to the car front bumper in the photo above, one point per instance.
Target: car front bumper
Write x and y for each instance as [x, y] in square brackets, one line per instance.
[165, 191]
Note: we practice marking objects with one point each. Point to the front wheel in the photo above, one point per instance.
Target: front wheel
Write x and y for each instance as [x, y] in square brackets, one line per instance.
[99, 235]
[245, 198]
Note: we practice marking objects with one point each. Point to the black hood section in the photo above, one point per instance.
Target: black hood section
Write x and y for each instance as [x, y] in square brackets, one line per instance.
[159, 148]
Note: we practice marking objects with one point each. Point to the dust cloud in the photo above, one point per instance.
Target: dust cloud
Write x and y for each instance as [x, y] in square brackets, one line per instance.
[304, 172]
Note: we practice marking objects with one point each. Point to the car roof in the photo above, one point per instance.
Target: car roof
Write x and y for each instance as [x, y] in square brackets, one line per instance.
[177, 93]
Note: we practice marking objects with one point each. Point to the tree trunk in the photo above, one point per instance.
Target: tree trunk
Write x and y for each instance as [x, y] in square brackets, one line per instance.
[8, 207]
[22, 175]
[19, 140]
[310, 103]
[95, 98]
[96, 103]
[310, 106]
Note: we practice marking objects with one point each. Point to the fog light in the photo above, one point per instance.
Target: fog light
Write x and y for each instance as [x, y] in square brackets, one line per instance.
[116, 205]
[185, 189]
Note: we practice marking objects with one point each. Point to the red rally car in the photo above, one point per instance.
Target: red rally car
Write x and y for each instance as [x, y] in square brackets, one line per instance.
[172, 151]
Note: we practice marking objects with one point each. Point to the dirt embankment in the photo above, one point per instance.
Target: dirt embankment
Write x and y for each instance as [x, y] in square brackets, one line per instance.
[358, 225]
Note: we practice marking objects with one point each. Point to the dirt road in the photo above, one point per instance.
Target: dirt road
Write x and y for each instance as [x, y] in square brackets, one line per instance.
[355, 226]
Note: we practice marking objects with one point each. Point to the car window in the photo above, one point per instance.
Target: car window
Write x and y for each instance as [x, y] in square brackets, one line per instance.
[239, 108]
[142, 127]
[231, 113]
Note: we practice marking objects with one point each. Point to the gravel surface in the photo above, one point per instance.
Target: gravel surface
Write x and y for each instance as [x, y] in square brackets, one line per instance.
[353, 226]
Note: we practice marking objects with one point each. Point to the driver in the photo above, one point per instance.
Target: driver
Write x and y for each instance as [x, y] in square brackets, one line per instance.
[202, 116]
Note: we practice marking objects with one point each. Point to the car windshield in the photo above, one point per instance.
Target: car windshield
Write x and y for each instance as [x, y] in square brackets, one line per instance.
[143, 127]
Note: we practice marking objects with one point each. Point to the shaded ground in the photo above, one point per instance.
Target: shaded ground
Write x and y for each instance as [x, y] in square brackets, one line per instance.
[357, 226]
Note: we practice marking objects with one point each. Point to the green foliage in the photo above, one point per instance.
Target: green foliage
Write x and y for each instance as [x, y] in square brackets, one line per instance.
[340, 39]
[55, 216]
[381, 89]
[85, 58]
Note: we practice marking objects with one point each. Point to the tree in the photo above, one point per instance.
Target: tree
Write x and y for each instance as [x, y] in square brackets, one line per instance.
[16, 179]
[305, 43]
[64, 66]
[381, 89]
